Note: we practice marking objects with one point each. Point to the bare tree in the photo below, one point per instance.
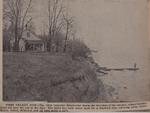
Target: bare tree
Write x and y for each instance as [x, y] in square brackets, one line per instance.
[69, 28]
[16, 11]
[55, 9]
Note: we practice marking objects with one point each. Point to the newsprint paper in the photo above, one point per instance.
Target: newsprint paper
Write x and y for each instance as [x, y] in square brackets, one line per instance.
[74, 55]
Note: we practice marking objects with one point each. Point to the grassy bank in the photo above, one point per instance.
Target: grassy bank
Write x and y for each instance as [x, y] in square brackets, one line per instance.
[47, 77]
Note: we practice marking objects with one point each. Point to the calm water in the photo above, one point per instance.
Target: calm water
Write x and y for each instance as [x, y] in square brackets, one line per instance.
[129, 85]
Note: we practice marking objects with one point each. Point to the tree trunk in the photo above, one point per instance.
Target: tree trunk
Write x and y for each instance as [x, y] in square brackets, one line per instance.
[49, 45]
[57, 46]
[16, 46]
[65, 46]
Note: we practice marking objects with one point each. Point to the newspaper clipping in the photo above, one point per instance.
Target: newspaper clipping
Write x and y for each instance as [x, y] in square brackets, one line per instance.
[74, 55]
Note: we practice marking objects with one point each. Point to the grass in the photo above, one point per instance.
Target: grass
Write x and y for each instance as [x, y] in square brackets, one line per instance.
[48, 77]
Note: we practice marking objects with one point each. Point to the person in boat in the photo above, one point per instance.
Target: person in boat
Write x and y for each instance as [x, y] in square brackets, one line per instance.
[135, 66]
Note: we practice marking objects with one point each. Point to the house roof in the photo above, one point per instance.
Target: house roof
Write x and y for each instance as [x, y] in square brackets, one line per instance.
[31, 37]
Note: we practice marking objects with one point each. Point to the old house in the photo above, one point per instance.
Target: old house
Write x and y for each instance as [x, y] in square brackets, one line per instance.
[30, 42]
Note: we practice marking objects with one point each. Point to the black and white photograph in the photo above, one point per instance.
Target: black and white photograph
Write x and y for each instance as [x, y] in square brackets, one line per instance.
[75, 51]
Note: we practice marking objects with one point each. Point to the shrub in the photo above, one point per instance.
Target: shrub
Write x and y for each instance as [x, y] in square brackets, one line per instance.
[77, 48]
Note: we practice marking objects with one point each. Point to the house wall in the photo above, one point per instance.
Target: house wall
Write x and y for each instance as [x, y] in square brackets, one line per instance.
[43, 47]
[22, 45]
[11, 45]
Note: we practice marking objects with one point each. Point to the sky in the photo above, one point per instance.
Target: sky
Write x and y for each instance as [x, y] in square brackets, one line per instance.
[116, 28]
